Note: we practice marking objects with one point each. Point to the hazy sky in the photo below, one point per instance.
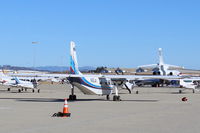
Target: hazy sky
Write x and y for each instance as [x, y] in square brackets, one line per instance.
[113, 33]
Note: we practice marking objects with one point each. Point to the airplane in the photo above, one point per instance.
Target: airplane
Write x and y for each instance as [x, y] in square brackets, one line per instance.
[100, 84]
[15, 82]
[190, 83]
[161, 68]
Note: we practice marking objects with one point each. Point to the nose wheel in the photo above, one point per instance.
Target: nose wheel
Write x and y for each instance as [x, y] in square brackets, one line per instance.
[72, 97]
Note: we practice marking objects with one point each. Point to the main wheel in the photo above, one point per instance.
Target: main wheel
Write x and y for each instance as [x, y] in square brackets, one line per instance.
[107, 97]
[116, 98]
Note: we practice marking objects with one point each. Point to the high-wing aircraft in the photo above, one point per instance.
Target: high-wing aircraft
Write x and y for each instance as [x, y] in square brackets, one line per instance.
[161, 68]
[15, 82]
[100, 84]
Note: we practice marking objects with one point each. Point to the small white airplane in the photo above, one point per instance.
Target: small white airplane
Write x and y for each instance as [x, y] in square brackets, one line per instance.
[15, 82]
[161, 68]
[101, 84]
[191, 83]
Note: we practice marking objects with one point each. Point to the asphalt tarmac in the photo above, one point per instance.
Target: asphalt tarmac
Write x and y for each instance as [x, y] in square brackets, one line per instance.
[153, 110]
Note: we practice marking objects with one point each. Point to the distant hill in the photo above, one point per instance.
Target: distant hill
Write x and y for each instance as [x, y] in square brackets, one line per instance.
[46, 68]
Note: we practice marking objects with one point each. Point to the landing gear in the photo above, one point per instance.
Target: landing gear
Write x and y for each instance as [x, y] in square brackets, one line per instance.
[193, 91]
[137, 92]
[19, 90]
[107, 97]
[116, 98]
[129, 90]
[38, 91]
[8, 89]
[72, 97]
[180, 91]
[33, 90]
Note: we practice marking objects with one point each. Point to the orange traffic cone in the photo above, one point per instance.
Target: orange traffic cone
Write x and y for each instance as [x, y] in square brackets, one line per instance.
[66, 109]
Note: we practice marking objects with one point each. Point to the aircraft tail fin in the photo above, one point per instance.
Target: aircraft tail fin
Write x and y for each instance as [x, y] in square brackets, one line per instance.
[17, 80]
[161, 60]
[73, 59]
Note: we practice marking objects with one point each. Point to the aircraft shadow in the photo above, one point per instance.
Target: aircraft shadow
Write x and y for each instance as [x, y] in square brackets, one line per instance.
[35, 99]
[62, 100]
[140, 100]
[48, 100]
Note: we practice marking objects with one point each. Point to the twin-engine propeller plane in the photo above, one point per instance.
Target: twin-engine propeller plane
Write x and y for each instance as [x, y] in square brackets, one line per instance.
[101, 84]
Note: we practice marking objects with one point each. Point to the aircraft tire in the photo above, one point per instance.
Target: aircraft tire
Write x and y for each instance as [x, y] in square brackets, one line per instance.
[33, 90]
[19, 90]
[38, 90]
[72, 97]
[8, 89]
[137, 92]
[107, 97]
[180, 91]
[116, 98]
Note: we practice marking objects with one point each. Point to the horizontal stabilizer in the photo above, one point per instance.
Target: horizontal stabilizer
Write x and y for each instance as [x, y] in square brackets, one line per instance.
[148, 66]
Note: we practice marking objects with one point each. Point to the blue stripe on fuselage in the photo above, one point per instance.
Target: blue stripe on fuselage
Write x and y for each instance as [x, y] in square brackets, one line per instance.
[72, 65]
[84, 81]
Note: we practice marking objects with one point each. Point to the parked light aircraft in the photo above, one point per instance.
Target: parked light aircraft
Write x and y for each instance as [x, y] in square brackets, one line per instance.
[192, 83]
[15, 82]
[100, 84]
[161, 68]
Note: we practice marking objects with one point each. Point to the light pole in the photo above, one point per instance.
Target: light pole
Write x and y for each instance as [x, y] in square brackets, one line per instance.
[34, 53]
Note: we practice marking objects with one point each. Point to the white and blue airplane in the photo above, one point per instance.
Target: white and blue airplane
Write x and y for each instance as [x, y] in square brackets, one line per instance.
[101, 84]
[15, 82]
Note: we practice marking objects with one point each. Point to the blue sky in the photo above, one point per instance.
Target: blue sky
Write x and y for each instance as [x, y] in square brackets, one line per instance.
[113, 33]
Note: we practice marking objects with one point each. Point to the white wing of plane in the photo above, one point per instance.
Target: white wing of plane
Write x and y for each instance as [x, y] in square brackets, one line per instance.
[173, 66]
[148, 66]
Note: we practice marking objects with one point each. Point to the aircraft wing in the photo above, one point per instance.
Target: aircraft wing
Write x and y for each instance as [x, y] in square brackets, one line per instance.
[129, 77]
[173, 66]
[148, 66]
[37, 75]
